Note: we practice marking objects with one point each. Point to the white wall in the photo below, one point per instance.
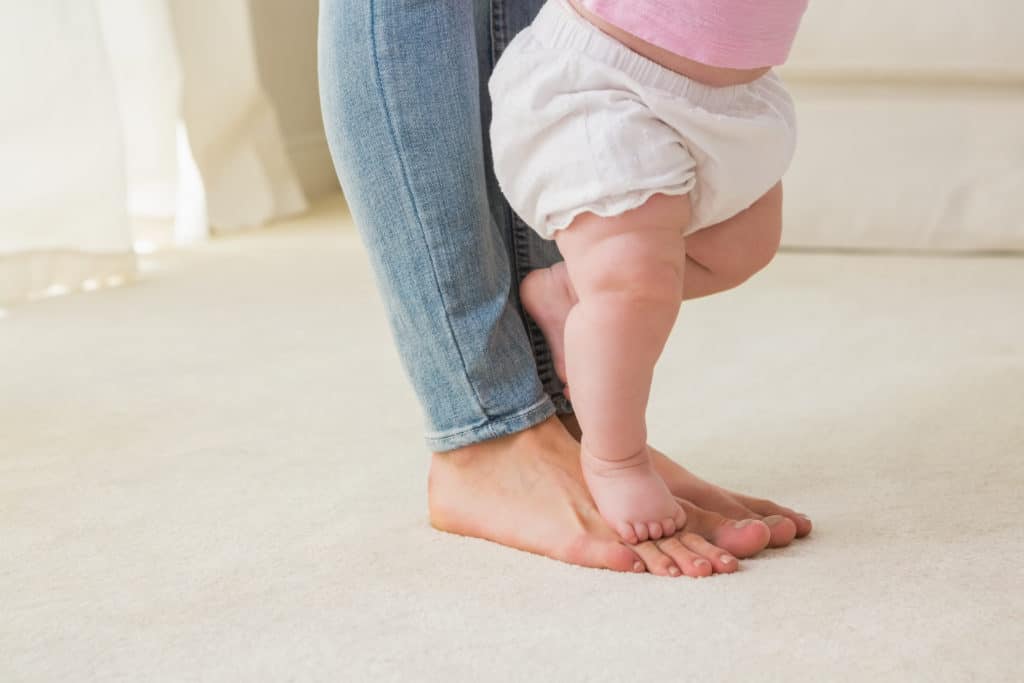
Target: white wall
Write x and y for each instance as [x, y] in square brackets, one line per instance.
[285, 36]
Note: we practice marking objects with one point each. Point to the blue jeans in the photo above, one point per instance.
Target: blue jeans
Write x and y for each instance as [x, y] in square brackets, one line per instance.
[403, 86]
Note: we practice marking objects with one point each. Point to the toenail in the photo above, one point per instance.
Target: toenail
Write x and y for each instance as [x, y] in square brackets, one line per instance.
[726, 559]
[638, 566]
[743, 523]
[773, 520]
[803, 516]
[673, 570]
[700, 562]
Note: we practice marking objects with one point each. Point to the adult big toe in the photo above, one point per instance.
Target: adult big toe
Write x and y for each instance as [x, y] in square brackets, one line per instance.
[743, 538]
[782, 530]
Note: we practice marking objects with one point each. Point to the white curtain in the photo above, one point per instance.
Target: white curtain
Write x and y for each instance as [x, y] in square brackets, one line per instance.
[62, 186]
[114, 110]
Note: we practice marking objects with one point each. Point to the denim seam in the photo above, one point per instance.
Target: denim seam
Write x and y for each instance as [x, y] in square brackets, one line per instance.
[499, 41]
[412, 196]
[498, 37]
[494, 427]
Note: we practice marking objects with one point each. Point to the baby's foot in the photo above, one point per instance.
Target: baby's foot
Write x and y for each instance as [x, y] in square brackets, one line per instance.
[632, 497]
[547, 295]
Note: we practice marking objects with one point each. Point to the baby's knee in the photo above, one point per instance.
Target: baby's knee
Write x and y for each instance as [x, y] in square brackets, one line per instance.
[629, 272]
[753, 246]
[637, 255]
[648, 280]
[766, 241]
[764, 247]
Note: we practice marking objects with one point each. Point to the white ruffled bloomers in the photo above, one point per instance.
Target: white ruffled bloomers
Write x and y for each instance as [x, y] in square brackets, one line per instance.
[582, 123]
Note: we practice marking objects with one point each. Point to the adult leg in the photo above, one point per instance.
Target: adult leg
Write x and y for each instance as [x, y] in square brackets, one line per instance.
[399, 87]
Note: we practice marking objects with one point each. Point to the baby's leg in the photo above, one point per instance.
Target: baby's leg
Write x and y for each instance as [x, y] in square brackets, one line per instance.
[627, 272]
[718, 258]
[727, 254]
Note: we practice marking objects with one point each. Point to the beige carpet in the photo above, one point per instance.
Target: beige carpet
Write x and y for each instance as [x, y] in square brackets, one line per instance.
[216, 474]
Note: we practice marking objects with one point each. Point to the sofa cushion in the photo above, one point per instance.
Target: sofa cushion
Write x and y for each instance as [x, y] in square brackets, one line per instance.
[980, 40]
[907, 167]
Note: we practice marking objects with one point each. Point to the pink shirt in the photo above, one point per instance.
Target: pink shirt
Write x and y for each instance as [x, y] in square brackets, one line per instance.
[734, 34]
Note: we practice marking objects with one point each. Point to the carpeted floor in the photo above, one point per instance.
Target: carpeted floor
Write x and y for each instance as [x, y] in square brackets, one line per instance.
[217, 474]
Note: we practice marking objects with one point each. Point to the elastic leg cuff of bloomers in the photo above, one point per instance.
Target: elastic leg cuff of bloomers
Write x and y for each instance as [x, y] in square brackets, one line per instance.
[606, 207]
[491, 427]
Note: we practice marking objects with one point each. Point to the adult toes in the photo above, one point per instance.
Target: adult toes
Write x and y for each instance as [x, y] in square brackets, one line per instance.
[767, 508]
[803, 525]
[742, 538]
[618, 557]
[600, 549]
[782, 529]
[657, 561]
[692, 563]
[722, 560]
[720, 502]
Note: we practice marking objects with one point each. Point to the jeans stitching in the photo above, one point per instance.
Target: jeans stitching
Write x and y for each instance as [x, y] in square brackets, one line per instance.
[532, 408]
[498, 34]
[412, 196]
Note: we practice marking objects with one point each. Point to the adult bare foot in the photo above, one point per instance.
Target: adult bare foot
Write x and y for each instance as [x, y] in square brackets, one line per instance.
[784, 524]
[526, 491]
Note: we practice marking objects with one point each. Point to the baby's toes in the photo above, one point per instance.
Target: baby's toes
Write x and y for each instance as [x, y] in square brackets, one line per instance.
[654, 530]
[668, 526]
[680, 519]
[626, 533]
[641, 530]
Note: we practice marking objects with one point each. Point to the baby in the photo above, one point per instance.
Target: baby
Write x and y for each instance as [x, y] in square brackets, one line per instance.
[621, 128]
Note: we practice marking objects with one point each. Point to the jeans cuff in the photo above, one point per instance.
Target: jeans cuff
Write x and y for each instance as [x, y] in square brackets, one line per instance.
[492, 427]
